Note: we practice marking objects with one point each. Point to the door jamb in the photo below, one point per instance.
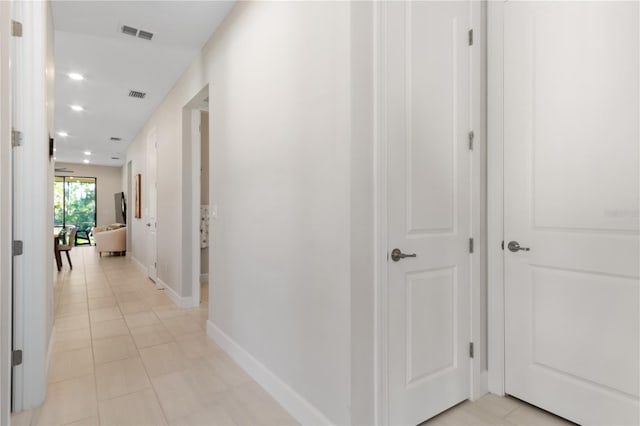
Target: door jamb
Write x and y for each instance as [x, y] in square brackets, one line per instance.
[191, 117]
[6, 323]
[495, 198]
[478, 380]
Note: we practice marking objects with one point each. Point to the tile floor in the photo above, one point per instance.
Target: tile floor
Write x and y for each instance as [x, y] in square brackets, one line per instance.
[124, 354]
[494, 410]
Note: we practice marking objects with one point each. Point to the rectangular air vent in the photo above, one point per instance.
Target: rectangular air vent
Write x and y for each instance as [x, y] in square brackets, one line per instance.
[129, 30]
[136, 94]
[115, 139]
[145, 35]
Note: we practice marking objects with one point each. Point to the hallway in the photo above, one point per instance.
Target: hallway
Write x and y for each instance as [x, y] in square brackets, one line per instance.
[124, 354]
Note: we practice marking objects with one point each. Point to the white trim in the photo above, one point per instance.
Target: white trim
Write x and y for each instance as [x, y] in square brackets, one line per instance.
[192, 175]
[6, 322]
[477, 387]
[138, 265]
[181, 302]
[495, 198]
[204, 278]
[32, 177]
[301, 409]
[196, 168]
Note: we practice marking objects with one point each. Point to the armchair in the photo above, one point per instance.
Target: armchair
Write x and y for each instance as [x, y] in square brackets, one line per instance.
[110, 240]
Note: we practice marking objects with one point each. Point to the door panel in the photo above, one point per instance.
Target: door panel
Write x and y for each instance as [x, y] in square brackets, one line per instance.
[427, 75]
[571, 195]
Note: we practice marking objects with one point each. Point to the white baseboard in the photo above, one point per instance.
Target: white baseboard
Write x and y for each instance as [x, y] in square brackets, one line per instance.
[301, 409]
[181, 302]
[204, 277]
[139, 265]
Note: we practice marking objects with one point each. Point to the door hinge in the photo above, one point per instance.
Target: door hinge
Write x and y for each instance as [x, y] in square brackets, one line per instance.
[470, 37]
[471, 352]
[471, 136]
[16, 138]
[470, 245]
[16, 28]
[16, 248]
[16, 357]
[502, 244]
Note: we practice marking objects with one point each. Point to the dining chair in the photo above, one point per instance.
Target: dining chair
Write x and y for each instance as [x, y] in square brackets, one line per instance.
[69, 245]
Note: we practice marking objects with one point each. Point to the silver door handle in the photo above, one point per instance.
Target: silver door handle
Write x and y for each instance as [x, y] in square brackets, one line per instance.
[396, 255]
[514, 246]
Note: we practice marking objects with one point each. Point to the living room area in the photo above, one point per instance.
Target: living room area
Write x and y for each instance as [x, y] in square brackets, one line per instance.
[89, 210]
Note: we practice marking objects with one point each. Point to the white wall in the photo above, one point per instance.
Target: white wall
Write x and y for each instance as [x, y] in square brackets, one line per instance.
[363, 248]
[282, 178]
[109, 181]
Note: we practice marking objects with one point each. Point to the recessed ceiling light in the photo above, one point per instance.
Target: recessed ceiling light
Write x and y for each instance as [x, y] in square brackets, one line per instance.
[63, 134]
[87, 153]
[86, 160]
[75, 76]
[77, 108]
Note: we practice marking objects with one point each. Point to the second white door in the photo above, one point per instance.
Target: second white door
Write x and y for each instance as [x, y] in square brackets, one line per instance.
[572, 184]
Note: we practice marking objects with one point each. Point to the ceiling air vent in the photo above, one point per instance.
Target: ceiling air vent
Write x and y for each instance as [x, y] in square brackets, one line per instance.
[129, 30]
[136, 94]
[145, 35]
[114, 138]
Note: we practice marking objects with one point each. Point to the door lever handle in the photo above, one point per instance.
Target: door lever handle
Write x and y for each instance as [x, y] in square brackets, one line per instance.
[396, 255]
[514, 246]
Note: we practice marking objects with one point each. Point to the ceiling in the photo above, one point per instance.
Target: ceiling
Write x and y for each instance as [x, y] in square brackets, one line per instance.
[89, 41]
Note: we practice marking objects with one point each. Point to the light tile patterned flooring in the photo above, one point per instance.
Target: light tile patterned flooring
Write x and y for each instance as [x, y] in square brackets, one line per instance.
[495, 410]
[124, 354]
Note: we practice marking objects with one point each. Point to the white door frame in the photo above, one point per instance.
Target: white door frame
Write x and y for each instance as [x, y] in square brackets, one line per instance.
[495, 197]
[130, 204]
[32, 189]
[478, 379]
[196, 166]
[152, 204]
[192, 165]
[6, 322]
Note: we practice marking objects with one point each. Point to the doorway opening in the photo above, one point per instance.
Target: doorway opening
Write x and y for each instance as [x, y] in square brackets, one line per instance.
[197, 208]
[129, 190]
[74, 205]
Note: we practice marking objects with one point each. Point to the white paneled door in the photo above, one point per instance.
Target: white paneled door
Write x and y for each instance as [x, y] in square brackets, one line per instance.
[426, 105]
[571, 137]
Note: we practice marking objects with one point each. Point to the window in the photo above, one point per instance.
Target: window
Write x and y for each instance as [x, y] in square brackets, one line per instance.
[74, 200]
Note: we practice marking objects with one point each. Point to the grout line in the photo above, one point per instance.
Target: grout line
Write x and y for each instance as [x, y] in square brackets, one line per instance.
[144, 367]
[93, 356]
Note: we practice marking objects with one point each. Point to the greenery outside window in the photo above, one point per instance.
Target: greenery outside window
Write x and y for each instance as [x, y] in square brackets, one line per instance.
[75, 202]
